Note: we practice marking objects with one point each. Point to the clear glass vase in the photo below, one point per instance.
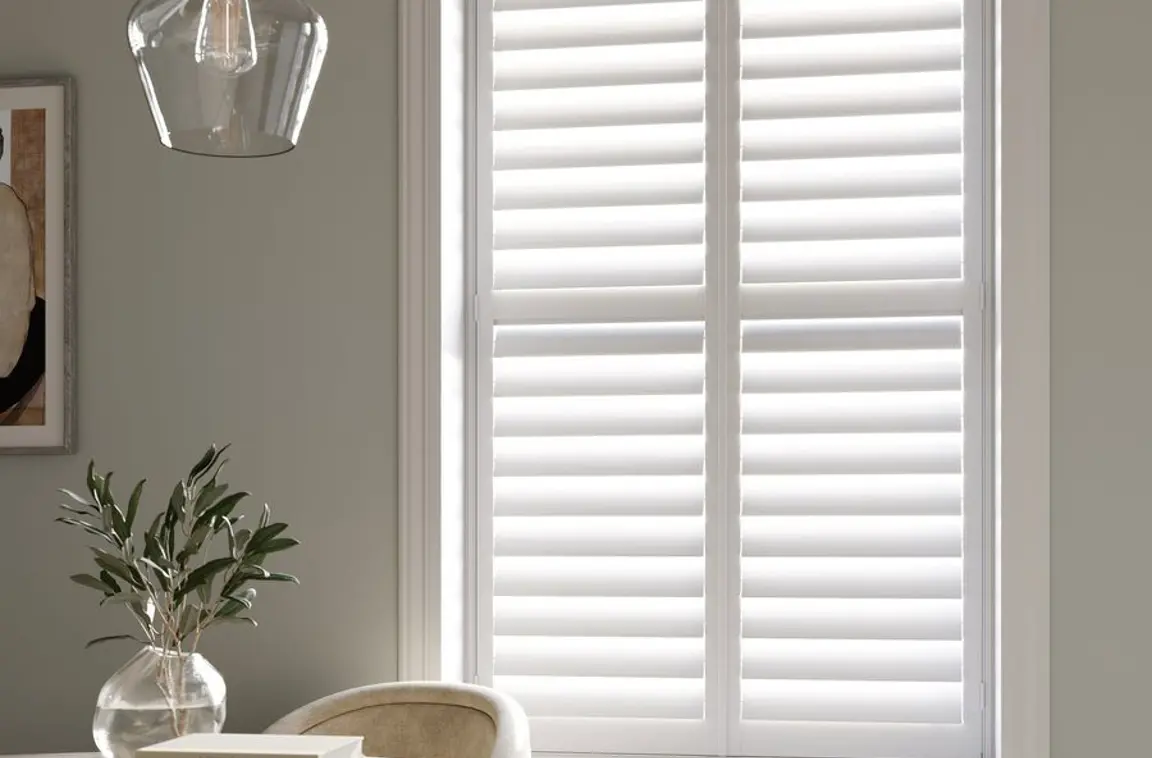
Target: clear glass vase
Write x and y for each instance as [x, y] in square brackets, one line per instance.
[157, 696]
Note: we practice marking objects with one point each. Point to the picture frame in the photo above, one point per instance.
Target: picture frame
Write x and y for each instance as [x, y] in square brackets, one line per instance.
[38, 239]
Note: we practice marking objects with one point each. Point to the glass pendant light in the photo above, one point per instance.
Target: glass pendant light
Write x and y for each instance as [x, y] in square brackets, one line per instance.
[230, 78]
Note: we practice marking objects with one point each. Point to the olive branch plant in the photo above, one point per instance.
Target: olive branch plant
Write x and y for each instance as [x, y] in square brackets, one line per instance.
[166, 575]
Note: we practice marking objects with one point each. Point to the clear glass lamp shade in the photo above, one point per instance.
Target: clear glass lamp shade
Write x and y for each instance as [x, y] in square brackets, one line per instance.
[231, 78]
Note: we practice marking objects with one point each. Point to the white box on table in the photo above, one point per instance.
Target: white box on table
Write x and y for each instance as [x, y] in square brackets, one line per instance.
[256, 746]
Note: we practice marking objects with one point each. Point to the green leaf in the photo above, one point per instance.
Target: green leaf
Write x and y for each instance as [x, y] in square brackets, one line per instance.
[202, 575]
[275, 577]
[195, 541]
[275, 546]
[208, 496]
[119, 523]
[109, 581]
[203, 464]
[236, 620]
[229, 608]
[245, 598]
[102, 640]
[134, 503]
[88, 528]
[156, 567]
[115, 567]
[176, 502]
[189, 617]
[265, 516]
[79, 500]
[266, 533]
[152, 547]
[242, 538]
[231, 540]
[140, 612]
[78, 511]
[91, 582]
[223, 508]
[92, 479]
[106, 496]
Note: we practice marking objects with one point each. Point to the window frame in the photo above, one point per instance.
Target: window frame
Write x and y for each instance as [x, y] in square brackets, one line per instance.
[434, 527]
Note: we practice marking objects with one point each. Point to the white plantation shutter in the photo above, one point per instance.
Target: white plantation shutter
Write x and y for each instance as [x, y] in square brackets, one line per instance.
[597, 312]
[731, 381]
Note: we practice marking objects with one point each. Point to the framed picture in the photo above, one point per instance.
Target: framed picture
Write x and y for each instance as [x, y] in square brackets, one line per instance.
[37, 265]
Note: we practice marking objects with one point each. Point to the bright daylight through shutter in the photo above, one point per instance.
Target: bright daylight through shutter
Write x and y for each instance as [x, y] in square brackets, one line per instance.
[851, 624]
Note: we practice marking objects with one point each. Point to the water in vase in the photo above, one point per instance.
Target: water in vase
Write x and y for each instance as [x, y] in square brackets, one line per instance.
[120, 732]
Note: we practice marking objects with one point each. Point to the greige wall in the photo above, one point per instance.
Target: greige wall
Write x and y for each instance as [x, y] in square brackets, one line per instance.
[243, 301]
[1101, 377]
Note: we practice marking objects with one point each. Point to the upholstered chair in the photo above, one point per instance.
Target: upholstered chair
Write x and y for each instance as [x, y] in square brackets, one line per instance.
[418, 720]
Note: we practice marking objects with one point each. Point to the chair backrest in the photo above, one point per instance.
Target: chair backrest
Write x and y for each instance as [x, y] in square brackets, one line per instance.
[418, 720]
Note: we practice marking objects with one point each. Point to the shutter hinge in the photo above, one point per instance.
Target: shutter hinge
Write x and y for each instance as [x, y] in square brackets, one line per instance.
[983, 696]
[476, 309]
[983, 296]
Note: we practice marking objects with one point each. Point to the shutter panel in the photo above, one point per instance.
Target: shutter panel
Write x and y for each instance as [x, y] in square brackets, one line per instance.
[616, 305]
[853, 307]
[597, 314]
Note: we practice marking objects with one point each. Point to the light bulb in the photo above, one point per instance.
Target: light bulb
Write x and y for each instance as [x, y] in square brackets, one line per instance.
[226, 39]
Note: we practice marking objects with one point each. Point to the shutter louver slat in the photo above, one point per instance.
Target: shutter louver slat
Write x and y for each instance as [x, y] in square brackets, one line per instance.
[851, 495]
[600, 496]
[876, 370]
[595, 339]
[853, 701]
[836, 300]
[936, 578]
[531, 5]
[611, 698]
[940, 333]
[601, 416]
[857, 219]
[607, 146]
[854, 536]
[665, 617]
[853, 261]
[599, 67]
[605, 536]
[674, 657]
[820, 17]
[608, 267]
[789, 413]
[862, 95]
[576, 306]
[597, 312]
[845, 178]
[852, 619]
[853, 137]
[844, 55]
[599, 577]
[620, 24]
[857, 660]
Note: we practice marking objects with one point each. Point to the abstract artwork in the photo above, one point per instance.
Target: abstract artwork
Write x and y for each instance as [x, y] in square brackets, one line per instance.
[37, 250]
